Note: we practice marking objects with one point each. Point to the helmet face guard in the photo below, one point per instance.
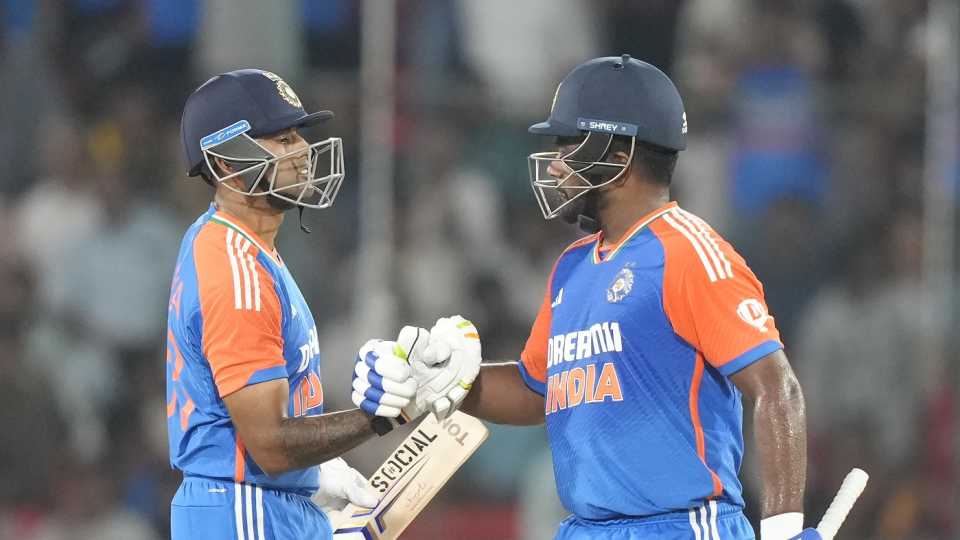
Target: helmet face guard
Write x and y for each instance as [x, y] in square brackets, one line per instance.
[319, 166]
[584, 170]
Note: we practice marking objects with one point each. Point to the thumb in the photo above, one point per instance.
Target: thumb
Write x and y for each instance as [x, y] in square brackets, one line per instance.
[359, 494]
[412, 341]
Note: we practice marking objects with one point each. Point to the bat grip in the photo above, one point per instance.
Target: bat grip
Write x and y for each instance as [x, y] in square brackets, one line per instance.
[853, 485]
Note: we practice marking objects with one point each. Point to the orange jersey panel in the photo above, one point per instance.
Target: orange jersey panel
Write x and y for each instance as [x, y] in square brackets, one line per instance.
[534, 355]
[712, 298]
[241, 311]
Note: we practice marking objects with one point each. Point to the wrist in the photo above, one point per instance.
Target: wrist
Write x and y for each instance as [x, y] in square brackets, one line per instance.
[781, 526]
[382, 425]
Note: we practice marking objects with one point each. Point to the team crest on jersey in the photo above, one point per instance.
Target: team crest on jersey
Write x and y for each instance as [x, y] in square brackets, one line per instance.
[284, 89]
[621, 286]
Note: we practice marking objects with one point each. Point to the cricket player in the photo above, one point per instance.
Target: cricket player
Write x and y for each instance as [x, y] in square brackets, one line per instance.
[245, 393]
[651, 332]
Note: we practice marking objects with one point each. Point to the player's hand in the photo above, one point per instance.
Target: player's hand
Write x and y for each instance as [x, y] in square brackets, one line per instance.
[786, 526]
[455, 347]
[383, 382]
[341, 484]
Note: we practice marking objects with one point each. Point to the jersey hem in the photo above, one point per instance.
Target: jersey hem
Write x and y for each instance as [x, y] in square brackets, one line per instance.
[533, 384]
[724, 509]
[307, 491]
[269, 374]
[263, 375]
[749, 357]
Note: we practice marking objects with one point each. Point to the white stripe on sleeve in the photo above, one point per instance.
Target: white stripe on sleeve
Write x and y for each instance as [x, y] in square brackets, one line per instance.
[705, 242]
[233, 268]
[242, 244]
[696, 246]
[256, 281]
[705, 230]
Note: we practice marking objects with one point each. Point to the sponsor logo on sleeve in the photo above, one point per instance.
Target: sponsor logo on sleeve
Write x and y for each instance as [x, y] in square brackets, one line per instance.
[753, 312]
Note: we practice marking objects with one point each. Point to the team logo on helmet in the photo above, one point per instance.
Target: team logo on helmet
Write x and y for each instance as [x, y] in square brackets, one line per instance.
[683, 126]
[621, 287]
[284, 89]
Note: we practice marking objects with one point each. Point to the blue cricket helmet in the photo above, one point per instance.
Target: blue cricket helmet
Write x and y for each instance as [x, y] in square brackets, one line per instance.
[599, 101]
[261, 98]
[223, 117]
[618, 95]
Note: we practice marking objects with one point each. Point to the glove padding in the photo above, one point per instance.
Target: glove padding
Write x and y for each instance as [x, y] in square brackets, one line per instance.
[454, 347]
[411, 345]
[383, 382]
[786, 526]
[341, 484]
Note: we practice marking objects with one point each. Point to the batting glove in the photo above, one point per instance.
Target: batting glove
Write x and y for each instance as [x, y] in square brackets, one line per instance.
[454, 348]
[435, 377]
[383, 382]
[786, 526]
[341, 484]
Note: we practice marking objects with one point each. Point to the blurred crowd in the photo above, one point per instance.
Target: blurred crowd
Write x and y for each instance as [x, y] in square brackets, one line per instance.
[806, 151]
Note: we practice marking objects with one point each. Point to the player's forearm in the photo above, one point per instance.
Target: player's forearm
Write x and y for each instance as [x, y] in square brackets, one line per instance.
[302, 442]
[499, 395]
[780, 433]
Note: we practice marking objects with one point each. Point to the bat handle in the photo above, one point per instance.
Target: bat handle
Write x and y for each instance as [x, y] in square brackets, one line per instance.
[848, 494]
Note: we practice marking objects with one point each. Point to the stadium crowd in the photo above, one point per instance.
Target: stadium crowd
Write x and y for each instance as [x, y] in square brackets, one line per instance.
[806, 151]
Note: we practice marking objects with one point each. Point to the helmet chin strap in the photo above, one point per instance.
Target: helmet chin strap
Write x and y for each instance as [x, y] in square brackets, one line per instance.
[589, 220]
[303, 227]
[583, 213]
[284, 205]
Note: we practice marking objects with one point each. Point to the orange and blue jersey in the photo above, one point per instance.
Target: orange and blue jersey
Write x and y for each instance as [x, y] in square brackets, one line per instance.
[632, 350]
[236, 318]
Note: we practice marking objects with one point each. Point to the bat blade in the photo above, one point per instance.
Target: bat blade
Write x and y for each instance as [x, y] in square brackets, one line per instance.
[411, 476]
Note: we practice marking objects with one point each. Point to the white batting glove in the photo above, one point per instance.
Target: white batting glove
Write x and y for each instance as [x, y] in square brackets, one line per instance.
[454, 347]
[435, 377]
[411, 345]
[383, 382]
[787, 526]
[341, 484]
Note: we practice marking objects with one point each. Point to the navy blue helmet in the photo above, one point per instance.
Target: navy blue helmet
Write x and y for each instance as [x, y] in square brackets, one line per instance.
[224, 117]
[604, 98]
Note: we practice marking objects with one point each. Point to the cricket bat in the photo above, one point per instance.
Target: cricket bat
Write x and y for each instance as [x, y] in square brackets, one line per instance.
[411, 476]
[850, 491]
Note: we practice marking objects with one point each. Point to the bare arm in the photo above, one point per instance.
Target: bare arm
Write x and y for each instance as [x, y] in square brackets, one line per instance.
[780, 431]
[499, 395]
[279, 444]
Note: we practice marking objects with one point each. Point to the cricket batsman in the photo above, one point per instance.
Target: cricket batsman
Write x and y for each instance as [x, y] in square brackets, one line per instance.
[245, 393]
[652, 332]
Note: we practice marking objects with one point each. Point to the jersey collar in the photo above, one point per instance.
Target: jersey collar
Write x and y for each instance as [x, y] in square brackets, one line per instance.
[608, 253]
[231, 222]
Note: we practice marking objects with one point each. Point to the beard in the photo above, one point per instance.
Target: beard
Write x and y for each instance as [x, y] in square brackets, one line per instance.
[583, 212]
[312, 196]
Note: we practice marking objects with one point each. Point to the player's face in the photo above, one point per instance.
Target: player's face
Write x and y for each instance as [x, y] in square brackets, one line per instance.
[559, 170]
[294, 167]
